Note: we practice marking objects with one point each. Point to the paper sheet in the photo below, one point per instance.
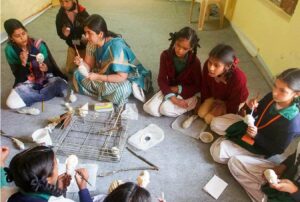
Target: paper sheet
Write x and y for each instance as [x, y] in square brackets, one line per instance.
[130, 112]
[215, 186]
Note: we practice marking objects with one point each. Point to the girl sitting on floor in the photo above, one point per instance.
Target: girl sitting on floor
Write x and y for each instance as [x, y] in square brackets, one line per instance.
[116, 70]
[224, 85]
[179, 76]
[276, 123]
[248, 171]
[35, 173]
[37, 77]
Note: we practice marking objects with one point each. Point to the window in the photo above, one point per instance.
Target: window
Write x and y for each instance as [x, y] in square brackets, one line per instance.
[286, 5]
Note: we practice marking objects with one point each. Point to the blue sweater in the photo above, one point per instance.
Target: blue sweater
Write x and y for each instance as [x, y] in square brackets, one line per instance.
[274, 138]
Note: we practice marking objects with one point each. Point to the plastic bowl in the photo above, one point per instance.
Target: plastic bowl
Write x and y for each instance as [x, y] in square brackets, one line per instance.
[206, 137]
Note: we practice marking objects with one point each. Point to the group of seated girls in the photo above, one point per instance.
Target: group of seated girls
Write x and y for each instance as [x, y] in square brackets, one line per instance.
[113, 70]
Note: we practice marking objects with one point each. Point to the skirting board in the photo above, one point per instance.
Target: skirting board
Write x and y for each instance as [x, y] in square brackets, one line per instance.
[254, 52]
[3, 35]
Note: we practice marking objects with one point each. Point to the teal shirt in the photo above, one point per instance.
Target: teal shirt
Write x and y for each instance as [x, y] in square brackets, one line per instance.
[3, 178]
[13, 58]
[179, 63]
[288, 112]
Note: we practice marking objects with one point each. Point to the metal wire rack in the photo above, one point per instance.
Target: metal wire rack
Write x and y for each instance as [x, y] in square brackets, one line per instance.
[98, 136]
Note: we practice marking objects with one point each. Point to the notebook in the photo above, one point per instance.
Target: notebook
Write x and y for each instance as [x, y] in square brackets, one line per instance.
[103, 106]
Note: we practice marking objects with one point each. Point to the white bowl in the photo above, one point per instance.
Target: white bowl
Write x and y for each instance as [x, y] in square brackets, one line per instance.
[206, 137]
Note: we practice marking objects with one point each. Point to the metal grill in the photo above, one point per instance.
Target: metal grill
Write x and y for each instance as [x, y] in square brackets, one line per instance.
[98, 136]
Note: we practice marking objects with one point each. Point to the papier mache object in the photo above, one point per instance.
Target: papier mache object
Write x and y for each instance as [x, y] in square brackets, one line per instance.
[143, 179]
[40, 58]
[71, 163]
[84, 110]
[271, 176]
[249, 120]
[83, 68]
[187, 123]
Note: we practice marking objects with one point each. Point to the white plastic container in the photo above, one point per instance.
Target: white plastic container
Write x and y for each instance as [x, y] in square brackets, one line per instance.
[147, 137]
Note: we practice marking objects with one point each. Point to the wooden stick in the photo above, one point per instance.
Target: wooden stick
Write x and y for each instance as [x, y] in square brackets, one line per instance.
[142, 158]
[83, 177]
[125, 170]
[76, 49]
[42, 105]
[114, 126]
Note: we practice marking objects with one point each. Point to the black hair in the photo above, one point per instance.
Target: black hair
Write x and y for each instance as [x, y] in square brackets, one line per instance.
[74, 5]
[97, 24]
[31, 168]
[11, 25]
[185, 33]
[225, 54]
[291, 77]
[129, 192]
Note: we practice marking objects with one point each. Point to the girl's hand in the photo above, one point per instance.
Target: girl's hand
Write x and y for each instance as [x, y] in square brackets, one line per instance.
[77, 60]
[4, 151]
[80, 181]
[179, 102]
[285, 185]
[174, 89]
[279, 169]
[24, 57]
[43, 67]
[63, 181]
[66, 31]
[252, 131]
[253, 103]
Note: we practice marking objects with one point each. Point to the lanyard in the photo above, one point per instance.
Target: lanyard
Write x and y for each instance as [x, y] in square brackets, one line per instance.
[269, 122]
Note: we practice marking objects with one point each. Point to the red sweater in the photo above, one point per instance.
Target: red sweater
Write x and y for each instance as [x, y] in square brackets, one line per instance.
[233, 93]
[189, 78]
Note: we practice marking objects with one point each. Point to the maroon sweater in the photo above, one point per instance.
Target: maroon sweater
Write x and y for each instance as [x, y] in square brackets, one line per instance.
[233, 93]
[189, 78]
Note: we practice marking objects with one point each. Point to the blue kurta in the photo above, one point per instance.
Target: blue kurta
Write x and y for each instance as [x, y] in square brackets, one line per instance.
[113, 57]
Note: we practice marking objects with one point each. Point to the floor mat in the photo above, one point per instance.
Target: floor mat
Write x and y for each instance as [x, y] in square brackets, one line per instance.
[194, 130]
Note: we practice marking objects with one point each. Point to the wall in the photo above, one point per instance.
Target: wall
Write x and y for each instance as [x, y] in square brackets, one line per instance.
[21, 10]
[269, 33]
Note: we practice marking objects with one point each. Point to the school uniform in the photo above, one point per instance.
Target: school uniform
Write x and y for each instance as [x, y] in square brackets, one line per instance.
[248, 171]
[276, 129]
[222, 97]
[233, 93]
[184, 73]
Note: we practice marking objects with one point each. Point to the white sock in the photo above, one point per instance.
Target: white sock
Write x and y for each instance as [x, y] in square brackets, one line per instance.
[14, 101]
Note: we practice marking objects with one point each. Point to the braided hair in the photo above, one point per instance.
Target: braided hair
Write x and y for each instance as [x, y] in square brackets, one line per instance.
[30, 170]
[225, 54]
[185, 33]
